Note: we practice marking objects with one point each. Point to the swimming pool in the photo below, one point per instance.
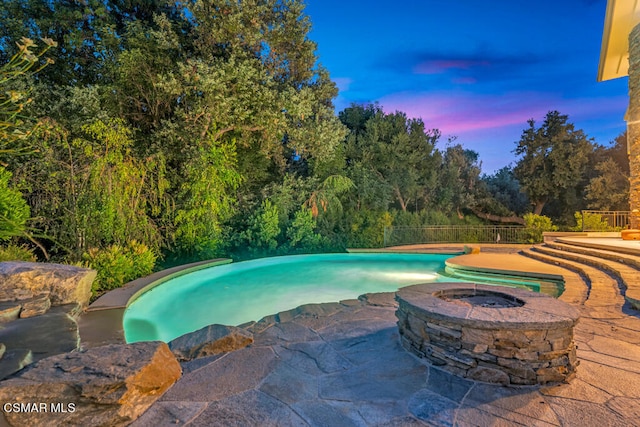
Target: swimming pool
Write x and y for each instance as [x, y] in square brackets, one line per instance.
[236, 293]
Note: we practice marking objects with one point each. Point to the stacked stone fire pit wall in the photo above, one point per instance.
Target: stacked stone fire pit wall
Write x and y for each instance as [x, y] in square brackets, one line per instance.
[488, 333]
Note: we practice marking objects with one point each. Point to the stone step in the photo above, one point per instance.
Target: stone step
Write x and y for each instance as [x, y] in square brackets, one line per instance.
[619, 249]
[626, 274]
[603, 295]
[576, 283]
[603, 284]
[631, 260]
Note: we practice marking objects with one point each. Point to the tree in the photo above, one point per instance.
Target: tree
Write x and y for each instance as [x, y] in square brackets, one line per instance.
[608, 187]
[396, 149]
[213, 102]
[500, 194]
[92, 191]
[458, 178]
[553, 160]
[90, 33]
[326, 195]
[15, 128]
[14, 210]
[15, 94]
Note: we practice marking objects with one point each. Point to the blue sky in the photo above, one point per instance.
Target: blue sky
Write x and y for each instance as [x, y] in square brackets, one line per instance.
[475, 70]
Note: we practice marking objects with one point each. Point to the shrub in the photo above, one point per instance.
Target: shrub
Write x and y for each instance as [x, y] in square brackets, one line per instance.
[14, 210]
[535, 225]
[301, 234]
[117, 265]
[367, 229]
[592, 222]
[264, 229]
[16, 253]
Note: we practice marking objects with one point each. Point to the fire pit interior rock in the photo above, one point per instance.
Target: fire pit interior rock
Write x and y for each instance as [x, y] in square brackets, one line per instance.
[488, 333]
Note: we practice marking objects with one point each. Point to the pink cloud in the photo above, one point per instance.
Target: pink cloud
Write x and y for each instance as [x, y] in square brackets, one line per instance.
[463, 113]
[491, 124]
[459, 113]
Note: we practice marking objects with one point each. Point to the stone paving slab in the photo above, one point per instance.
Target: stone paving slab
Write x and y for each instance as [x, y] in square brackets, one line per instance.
[345, 367]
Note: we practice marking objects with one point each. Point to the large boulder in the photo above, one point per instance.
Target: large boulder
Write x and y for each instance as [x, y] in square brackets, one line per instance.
[65, 284]
[210, 340]
[110, 385]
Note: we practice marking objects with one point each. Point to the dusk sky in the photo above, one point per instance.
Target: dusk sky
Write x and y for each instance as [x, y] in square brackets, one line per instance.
[477, 70]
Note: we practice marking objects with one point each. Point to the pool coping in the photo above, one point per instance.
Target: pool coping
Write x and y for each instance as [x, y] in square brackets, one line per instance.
[102, 321]
[471, 263]
[122, 297]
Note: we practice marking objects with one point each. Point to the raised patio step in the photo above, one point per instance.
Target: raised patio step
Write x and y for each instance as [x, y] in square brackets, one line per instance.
[603, 289]
[627, 275]
[576, 283]
[611, 255]
[594, 243]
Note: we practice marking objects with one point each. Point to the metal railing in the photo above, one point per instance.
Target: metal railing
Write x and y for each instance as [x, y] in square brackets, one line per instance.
[605, 220]
[396, 236]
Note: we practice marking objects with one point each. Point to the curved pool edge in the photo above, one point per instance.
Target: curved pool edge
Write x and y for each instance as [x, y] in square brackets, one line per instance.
[102, 322]
[122, 297]
[516, 265]
[502, 264]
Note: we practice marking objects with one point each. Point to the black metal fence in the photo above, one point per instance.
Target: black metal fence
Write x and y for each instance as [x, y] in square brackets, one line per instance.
[396, 236]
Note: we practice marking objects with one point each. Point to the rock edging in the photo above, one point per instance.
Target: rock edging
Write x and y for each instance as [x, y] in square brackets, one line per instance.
[109, 385]
[39, 306]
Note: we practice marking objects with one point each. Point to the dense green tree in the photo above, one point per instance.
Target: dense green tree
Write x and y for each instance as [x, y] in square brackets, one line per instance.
[92, 191]
[608, 187]
[15, 128]
[325, 196]
[217, 101]
[500, 194]
[15, 94]
[395, 149]
[553, 161]
[90, 34]
[458, 178]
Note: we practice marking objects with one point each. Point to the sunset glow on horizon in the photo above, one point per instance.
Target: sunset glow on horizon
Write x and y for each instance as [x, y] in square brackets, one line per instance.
[475, 73]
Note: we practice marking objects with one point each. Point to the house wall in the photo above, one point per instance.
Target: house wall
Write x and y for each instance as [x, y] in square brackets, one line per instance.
[633, 125]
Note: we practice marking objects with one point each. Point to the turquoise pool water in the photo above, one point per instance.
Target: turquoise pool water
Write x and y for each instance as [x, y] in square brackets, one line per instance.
[236, 293]
[240, 292]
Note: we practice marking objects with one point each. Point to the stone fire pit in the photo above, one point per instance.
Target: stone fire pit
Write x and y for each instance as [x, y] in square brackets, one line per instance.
[488, 333]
